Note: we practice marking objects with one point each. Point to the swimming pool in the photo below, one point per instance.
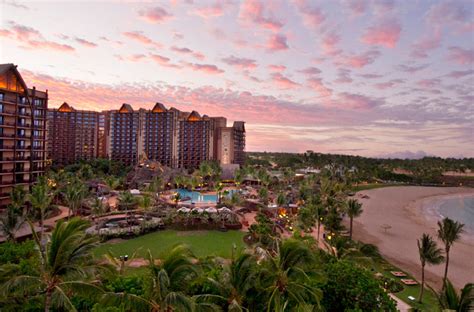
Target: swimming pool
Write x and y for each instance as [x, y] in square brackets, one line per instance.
[197, 197]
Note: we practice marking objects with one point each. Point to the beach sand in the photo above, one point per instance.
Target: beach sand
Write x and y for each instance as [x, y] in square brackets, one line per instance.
[402, 209]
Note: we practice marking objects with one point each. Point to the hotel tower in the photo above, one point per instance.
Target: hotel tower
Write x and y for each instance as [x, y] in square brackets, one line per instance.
[22, 132]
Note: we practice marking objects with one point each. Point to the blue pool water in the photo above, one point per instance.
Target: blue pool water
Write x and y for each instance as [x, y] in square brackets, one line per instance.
[197, 197]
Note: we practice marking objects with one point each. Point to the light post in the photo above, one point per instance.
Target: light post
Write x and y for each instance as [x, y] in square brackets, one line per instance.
[123, 259]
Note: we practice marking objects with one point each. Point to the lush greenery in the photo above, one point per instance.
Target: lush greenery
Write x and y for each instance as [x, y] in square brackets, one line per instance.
[427, 170]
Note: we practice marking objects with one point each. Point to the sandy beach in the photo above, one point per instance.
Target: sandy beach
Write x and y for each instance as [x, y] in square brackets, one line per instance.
[402, 209]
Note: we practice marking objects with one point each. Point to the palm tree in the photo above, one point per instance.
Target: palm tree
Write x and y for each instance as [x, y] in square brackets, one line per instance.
[168, 281]
[281, 199]
[145, 203]
[449, 231]
[288, 275]
[74, 194]
[236, 280]
[449, 299]
[112, 182]
[354, 209]
[67, 266]
[40, 200]
[15, 216]
[429, 254]
[11, 223]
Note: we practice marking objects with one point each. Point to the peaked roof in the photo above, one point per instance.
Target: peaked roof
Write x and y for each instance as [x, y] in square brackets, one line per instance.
[126, 108]
[10, 66]
[158, 108]
[65, 108]
[194, 116]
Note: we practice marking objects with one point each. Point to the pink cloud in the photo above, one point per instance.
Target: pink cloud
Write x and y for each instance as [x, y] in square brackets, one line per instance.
[131, 58]
[460, 73]
[162, 60]
[389, 84]
[361, 60]
[461, 56]
[428, 83]
[343, 76]
[140, 37]
[386, 33]
[426, 44]
[205, 68]
[447, 12]
[310, 71]
[277, 42]
[357, 7]
[210, 11]
[412, 68]
[371, 76]
[32, 38]
[313, 17]
[242, 63]
[155, 15]
[329, 44]
[284, 82]
[355, 101]
[276, 68]
[187, 51]
[317, 85]
[254, 10]
[86, 43]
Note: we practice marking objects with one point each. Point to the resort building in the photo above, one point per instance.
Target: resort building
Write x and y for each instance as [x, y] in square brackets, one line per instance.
[171, 137]
[72, 134]
[194, 143]
[22, 132]
[161, 129]
[125, 139]
[231, 144]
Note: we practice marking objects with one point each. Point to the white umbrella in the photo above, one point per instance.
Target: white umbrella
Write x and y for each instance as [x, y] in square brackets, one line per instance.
[211, 210]
[185, 210]
[224, 210]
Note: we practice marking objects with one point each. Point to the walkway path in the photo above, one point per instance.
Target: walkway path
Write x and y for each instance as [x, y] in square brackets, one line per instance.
[25, 230]
[401, 305]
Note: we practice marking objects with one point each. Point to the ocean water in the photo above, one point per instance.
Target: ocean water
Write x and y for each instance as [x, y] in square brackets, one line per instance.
[460, 209]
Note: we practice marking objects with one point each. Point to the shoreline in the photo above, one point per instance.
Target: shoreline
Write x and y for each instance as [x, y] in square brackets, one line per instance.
[406, 210]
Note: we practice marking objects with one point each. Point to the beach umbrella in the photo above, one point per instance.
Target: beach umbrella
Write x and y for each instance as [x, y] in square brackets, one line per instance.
[184, 210]
[224, 210]
[211, 210]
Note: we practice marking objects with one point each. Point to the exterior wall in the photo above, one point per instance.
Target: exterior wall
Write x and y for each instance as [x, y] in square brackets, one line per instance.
[72, 135]
[22, 133]
[225, 146]
[160, 137]
[124, 136]
[193, 143]
[239, 143]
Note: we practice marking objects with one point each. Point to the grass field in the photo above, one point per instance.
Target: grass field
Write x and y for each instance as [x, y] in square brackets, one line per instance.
[202, 243]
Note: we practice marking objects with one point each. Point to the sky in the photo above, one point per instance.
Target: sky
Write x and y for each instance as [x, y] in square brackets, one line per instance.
[376, 78]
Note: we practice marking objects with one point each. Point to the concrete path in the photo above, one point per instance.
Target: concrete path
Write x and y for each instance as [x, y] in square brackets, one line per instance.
[401, 305]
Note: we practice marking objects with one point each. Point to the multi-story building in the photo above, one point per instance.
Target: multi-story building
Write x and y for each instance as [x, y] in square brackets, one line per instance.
[231, 144]
[125, 140]
[194, 143]
[169, 136]
[72, 134]
[161, 129]
[22, 132]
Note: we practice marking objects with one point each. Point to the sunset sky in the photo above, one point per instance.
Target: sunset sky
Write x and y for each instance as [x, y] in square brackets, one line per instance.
[370, 77]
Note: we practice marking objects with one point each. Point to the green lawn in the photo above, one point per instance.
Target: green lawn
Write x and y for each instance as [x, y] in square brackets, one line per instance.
[202, 243]
[429, 300]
